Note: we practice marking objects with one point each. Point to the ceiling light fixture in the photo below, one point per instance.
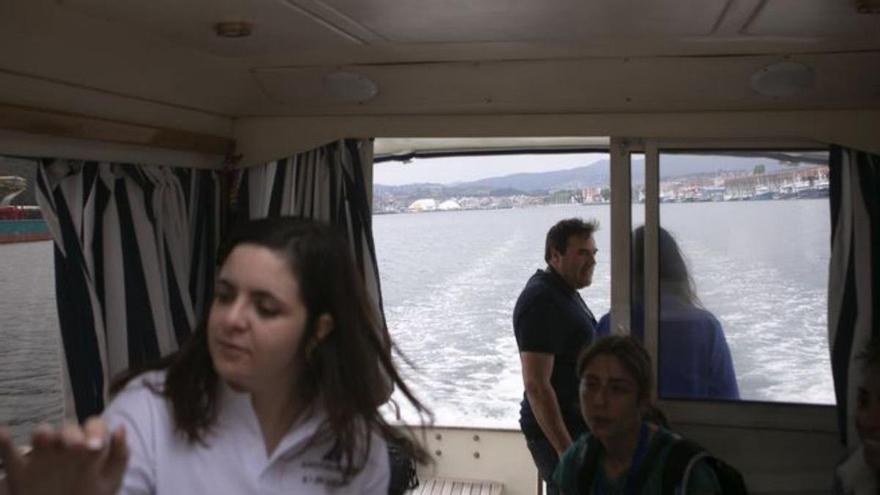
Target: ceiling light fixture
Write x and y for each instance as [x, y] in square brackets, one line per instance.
[783, 79]
[350, 87]
[233, 29]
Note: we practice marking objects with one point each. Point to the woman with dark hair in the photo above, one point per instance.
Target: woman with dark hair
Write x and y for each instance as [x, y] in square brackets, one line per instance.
[860, 473]
[278, 389]
[623, 452]
[695, 360]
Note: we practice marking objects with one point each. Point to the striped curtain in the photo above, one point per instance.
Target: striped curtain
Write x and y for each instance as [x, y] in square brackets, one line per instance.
[329, 184]
[854, 278]
[134, 248]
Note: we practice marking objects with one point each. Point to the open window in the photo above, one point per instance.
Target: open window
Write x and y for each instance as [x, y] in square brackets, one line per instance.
[30, 343]
[457, 236]
[729, 271]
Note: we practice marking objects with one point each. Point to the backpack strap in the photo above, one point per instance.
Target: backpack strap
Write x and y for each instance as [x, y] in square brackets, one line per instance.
[590, 465]
[658, 443]
[682, 457]
[731, 480]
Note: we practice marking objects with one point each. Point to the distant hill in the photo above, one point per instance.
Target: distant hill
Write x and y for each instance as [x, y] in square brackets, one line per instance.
[574, 178]
[593, 175]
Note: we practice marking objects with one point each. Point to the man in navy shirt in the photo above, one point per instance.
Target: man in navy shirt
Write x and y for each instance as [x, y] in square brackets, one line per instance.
[552, 324]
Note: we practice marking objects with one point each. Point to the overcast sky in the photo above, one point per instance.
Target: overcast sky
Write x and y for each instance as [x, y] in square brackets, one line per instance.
[468, 168]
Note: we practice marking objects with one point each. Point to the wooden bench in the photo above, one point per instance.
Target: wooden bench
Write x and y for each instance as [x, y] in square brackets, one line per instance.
[451, 486]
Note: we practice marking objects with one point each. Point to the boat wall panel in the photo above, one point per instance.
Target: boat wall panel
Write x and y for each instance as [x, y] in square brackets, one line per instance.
[774, 461]
[482, 454]
[265, 139]
[14, 143]
[39, 121]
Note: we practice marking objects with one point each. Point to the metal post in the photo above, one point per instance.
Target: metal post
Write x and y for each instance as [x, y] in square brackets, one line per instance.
[621, 220]
[652, 256]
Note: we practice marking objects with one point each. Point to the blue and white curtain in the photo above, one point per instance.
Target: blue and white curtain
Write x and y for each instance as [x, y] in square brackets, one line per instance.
[854, 278]
[329, 184]
[134, 259]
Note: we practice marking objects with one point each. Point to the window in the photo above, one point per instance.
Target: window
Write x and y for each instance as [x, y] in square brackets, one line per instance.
[743, 263]
[456, 240]
[30, 354]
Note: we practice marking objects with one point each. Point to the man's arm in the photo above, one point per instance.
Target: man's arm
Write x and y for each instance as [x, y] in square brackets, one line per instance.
[536, 370]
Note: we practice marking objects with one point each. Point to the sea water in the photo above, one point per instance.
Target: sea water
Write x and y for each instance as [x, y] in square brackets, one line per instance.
[450, 281]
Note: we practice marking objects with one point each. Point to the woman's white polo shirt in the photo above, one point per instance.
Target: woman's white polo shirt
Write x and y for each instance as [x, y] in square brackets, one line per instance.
[232, 459]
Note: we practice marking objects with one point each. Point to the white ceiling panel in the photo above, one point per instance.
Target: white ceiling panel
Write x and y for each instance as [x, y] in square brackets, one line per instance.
[454, 21]
[279, 26]
[812, 18]
[656, 84]
[631, 56]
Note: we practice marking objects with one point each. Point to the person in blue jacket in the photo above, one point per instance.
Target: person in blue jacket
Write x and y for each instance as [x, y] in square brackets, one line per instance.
[695, 361]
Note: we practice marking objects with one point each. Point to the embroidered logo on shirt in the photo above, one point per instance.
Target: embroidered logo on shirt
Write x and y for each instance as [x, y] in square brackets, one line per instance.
[326, 471]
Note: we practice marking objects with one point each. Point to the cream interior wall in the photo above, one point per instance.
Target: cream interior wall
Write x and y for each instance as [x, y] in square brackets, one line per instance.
[14, 143]
[262, 139]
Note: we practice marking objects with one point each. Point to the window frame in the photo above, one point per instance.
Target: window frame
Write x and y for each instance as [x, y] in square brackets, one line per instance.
[748, 414]
[742, 413]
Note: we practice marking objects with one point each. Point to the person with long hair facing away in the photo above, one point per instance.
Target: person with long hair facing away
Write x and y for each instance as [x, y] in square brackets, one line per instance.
[623, 453]
[277, 391]
[695, 360]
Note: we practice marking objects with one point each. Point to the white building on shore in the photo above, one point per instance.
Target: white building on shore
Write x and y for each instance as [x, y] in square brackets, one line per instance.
[423, 205]
[449, 205]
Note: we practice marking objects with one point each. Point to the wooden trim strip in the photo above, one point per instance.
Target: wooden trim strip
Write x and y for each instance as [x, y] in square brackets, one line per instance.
[69, 125]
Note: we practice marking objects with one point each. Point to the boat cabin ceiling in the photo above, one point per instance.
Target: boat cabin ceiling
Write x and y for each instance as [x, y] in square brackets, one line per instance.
[209, 83]
[276, 74]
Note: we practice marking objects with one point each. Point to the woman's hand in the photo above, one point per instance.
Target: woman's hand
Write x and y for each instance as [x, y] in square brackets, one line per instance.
[74, 460]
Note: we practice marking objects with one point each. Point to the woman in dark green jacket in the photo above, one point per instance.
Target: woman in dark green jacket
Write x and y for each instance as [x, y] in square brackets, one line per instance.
[623, 453]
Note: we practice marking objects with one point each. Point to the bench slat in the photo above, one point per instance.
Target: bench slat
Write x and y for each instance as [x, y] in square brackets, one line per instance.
[451, 486]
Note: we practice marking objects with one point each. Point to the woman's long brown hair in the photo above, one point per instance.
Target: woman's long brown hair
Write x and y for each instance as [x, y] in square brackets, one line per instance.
[348, 374]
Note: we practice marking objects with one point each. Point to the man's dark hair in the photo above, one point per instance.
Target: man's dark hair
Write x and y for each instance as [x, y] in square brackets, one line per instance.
[558, 235]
